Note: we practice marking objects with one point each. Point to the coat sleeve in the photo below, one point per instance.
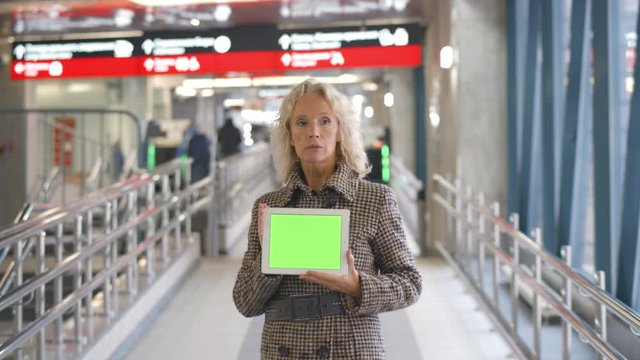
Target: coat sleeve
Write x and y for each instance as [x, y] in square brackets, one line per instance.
[253, 289]
[398, 283]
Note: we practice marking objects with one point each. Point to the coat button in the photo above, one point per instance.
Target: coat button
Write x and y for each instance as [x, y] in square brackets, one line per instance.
[283, 351]
[322, 352]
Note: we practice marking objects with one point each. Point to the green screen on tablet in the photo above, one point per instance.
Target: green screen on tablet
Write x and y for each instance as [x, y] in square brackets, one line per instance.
[300, 239]
[305, 241]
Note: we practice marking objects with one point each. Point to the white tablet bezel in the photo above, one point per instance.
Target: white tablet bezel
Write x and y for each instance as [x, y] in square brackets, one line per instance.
[344, 243]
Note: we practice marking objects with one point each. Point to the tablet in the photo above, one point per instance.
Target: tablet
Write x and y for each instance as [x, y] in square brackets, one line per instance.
[298, 239]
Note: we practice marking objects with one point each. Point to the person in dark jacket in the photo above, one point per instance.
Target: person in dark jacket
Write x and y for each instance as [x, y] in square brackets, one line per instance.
[318, 153]
[229, 138]
[199, 150]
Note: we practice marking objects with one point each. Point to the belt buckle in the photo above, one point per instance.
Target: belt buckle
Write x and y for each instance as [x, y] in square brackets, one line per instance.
[305, 307]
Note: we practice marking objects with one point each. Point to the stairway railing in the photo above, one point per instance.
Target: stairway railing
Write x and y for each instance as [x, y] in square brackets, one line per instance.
[489, 250]
[87, 254]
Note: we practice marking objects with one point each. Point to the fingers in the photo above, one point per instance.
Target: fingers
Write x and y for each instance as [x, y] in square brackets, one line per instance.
[351, 262]
[261, 208]
[348, 284]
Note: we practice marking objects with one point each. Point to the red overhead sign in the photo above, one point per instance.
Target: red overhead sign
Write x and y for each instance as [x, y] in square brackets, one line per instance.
[261, 49]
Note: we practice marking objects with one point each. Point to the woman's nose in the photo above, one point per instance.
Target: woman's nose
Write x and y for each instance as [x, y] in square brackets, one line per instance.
[313, 132]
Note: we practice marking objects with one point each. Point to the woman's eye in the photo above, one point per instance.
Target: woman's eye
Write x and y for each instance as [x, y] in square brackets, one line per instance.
[326, 121]
[300, 122]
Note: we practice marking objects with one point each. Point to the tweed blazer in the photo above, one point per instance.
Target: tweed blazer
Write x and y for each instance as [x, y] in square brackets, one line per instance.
[389, 278]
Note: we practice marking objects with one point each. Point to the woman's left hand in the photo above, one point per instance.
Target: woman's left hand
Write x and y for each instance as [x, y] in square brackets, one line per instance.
[348, 284]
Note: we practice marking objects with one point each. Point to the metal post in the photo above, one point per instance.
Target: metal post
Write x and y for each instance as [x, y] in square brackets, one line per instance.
[151, 230]
[114, 258]
[496, 261]
[187, 181]
[457, 218]
[469, 233]
[40, 299]
[88, 276]
[131, 241]
[77, 282]
[83, 156]
[165, 218]
[108, 282]
[177, 210]
[601, 321]
[481, 242]
[565, 252]
[19, 307]
[57, 292]
[64, 169]
[537, 316]
[515, 221]
[102, 135]
[448, 224]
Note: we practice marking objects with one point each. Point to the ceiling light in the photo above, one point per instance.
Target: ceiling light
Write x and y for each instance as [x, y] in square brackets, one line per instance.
[446, 57]
[434, 118]
[357, 101]
[342, 79]
[232, 82]
[368, 112]
[185, 91]
[207, 93]
[279, 80]
[370, 86]
[78, 87]
[217, 83]
[198, 83]
[229, 103]
[388, 99]
[400, 5]
[222, 13]
[156, 3]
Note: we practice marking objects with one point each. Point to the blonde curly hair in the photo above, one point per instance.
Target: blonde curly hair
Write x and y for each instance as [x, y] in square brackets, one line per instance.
[350, 150]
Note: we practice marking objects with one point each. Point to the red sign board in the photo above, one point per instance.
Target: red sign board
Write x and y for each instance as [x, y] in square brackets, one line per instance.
[232, 50]
[63, 141]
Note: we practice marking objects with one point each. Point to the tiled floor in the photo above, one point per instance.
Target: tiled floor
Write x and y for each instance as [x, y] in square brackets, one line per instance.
[201, 322]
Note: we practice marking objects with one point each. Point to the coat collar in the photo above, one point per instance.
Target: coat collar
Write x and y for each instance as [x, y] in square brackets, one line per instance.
[343, 181]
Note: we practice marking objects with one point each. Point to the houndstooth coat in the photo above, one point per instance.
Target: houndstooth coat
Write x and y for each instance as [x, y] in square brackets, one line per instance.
[388, 276]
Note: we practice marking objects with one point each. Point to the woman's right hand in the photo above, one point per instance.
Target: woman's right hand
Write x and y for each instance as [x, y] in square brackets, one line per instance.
[261, 208]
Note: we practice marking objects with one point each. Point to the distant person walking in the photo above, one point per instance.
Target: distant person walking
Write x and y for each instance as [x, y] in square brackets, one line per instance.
[229, 138]
[199, 150]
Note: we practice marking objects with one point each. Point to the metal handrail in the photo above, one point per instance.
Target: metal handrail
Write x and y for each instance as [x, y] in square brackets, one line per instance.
[580, 325]
[410, 195]
[169, 167]
[13, 234]
[91, 200]
[47, 184]
[32, 284]
[10, 272]
[620, 309]
[175, 209]
[463, 210]
[99, 244]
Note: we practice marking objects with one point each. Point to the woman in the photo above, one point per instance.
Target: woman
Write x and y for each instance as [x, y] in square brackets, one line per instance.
[318, 151]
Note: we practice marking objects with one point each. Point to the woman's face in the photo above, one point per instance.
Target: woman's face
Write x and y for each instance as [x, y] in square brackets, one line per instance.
[314, 130]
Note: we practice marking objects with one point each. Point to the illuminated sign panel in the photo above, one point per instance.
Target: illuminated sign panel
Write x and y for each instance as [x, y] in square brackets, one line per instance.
[74, 58]
[246, 49]
[376, 46]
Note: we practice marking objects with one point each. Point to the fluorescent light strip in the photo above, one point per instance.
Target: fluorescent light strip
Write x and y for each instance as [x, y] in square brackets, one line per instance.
[158, 3]
[265, 81]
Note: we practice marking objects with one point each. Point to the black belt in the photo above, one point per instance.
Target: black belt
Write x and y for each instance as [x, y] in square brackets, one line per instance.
[303, 307]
